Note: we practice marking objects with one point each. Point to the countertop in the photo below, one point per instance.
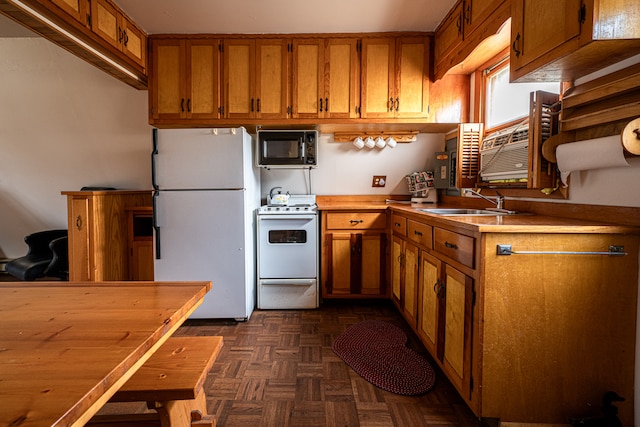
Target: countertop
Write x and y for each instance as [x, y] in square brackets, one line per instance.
[518, 223]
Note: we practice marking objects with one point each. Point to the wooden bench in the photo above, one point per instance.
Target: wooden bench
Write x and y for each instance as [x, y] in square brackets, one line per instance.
[172, 383]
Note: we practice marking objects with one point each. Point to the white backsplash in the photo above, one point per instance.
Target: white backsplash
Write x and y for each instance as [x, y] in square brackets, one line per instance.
[343, 169]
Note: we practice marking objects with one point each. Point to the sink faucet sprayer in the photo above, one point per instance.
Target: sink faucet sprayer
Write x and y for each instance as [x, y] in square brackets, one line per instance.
[499, 200]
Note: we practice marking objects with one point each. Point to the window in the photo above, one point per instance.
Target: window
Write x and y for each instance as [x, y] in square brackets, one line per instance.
[505, 103]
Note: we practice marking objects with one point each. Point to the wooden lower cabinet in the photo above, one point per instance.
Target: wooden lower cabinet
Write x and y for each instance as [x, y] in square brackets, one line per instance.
[354, 253]
[98, 233]
[404, 278]
[524, 338]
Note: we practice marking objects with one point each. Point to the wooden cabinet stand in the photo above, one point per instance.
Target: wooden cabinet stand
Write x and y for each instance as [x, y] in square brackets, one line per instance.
[98, 233]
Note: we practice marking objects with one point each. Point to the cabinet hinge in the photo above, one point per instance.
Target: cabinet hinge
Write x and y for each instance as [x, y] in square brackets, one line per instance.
[582, 13]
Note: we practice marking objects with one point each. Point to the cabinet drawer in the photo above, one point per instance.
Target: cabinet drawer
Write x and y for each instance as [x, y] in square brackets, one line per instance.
[419, 233]
[399, 224]
[455, 246]
[356, 220]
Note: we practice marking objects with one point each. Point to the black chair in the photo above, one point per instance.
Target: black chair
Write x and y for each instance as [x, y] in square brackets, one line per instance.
[47, 257]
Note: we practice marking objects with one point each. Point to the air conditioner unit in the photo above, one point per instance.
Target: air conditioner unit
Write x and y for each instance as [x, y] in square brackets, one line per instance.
[504, 155]
[515, 154]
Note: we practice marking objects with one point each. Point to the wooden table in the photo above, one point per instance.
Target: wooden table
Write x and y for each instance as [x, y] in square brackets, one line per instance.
[65, 348]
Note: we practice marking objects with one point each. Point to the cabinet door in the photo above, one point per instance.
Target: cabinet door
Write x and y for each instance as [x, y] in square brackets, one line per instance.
[356, 264]
[203, 79]
[339, 276]
[105, 22]
[539, 26]
[412, 74]
[272, 71]
[378, 75]
[456, 350]
[410, 284]
[476, 12]
[308, 64]
[239, 86]
[78, 9]
[141, 264]
[397, 247]
[342, 85]
[449, 34]
[80, 260]
[168, 80]
[429, 289]
[373, 264]
[134, 43]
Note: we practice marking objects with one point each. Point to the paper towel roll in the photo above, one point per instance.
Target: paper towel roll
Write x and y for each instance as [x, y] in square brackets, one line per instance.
[596, 153]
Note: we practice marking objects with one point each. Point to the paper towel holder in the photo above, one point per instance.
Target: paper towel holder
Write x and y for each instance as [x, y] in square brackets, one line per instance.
[629, 138]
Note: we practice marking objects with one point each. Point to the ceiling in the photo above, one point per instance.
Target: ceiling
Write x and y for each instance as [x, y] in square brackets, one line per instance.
[285, 16]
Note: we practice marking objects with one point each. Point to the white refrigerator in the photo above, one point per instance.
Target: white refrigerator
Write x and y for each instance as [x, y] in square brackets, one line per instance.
[206, 191]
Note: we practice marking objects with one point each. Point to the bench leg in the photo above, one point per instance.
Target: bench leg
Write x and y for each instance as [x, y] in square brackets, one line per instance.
[183, 413]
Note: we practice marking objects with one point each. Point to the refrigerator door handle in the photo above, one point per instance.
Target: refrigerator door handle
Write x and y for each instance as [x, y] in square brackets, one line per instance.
[154, 153]
[156, 228]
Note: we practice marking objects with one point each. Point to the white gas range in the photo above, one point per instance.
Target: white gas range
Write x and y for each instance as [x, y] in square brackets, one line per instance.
[288, 255]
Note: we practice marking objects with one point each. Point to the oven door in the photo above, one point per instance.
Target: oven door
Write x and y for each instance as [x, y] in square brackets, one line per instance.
[287, 246]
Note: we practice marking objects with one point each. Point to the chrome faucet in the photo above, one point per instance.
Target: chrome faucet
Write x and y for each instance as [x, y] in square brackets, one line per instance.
[498, 202]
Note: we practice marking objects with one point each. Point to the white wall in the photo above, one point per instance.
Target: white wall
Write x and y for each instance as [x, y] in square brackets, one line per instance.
[63, 125]
[344, 170]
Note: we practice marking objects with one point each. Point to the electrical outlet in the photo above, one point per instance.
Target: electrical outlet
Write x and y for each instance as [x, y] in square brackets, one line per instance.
[379, 180]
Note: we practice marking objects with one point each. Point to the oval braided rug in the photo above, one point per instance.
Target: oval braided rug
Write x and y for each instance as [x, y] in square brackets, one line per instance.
[376, 350]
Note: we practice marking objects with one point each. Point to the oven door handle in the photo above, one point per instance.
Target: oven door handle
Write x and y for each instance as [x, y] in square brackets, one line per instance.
[288, 282]
[302, 217]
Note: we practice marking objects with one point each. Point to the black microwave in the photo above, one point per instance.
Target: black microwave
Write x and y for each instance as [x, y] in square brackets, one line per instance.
[287, 148]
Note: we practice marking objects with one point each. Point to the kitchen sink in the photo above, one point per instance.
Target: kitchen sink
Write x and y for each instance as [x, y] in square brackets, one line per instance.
[462, 212]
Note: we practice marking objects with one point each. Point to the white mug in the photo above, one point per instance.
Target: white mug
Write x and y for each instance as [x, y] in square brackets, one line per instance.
[380, 142]
[358, 143]
[391, 142]
[369, 142]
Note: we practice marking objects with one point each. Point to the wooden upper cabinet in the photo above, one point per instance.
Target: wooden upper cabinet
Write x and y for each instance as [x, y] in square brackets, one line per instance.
[378, 77]
[325, 78]
[412, 74]
[468, 24]
[185, 79]
[115, 28]
[307, 78]
[255, 78]
[566, 39]
[395, 77]
[272, 78]
[342, 78]
[77, 9]
[539, 26]
[448, 36]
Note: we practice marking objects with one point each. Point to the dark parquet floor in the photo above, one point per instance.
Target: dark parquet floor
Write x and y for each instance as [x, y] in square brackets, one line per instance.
[278, 369]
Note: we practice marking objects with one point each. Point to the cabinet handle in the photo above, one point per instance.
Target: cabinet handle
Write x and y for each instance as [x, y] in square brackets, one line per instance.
[467, 14]
[397, 104]
[582, 13]
[321, 105]
[356, 221]
[252, 102]
[451, 245]
[437, 287]
[126, 39]
[189, 105]
[326, 104]
[417, 233]
[79, 223]
[459, 25]
[516, 44]
[390, 104]
[396, 224]
[120, 34]
[182, 105]
[258, 105]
